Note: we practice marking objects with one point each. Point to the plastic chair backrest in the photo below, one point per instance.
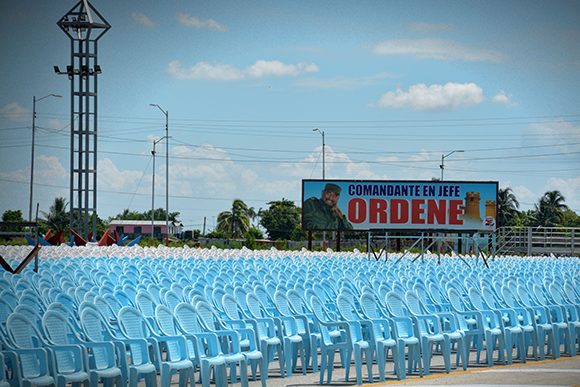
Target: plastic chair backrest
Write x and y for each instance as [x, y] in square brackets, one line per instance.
[396, 305]
[368, 303]
[345, 307]
[296, 302]
[455, 300]
[186, 316]
[145, 303]
[207, 316]
[488, 297]
[254, 305]
[231, 308]
[172, 299]
[414, 303]
[240, 296]
[476, 299]
[93, 325]
[23, 331]
[133, 324]
[282, 303]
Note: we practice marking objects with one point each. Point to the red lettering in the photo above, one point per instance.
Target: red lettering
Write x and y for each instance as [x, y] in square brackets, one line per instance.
[417, 211]
[377, 211]
[399, 211]
[357, 210]
[436, 211]
[455, 210]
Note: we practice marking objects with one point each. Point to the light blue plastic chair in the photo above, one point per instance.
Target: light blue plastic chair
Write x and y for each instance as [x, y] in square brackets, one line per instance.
[479, 325]
[571, 313]
[99, 356]
[382, 334]
[134, 326]
[328, 346]
[294, 324]
[203, 347]
[557, 318]
[510, 324]
[231, 343]
[29, 368]
[67, 364]
[448, 324]
[269, 333]
[540, 320]
[427, 329]
[406, 337]
[347, 311]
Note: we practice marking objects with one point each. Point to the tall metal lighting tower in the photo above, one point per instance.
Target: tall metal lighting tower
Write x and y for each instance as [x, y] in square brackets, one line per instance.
[84, 26]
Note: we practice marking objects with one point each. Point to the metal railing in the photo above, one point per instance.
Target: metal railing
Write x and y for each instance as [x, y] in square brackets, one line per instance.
[538, 240]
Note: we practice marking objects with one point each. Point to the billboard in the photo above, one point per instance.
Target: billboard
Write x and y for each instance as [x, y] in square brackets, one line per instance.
[459, 206]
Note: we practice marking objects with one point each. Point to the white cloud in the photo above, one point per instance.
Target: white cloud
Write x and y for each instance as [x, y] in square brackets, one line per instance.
[436, 49]
[143, 20]
[49, 169]
[225, 72]
[193, 22]
[343, 83]
[502, 98]
[430, 27]
[421, 97]
[555, 132]
[111, 177]
[14, 112]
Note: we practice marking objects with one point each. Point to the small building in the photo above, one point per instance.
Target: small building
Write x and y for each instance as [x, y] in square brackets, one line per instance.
[134, 228]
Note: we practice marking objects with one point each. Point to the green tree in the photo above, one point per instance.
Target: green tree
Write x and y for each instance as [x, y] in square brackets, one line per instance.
[508, 205]
[549, 210]
[136, 215]
[13, 216]
[57, 217]
[282, 220]
[570, 218]
[235, 222]
[254, 233]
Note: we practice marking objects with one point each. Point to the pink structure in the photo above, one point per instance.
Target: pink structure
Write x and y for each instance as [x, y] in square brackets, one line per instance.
[137, 227]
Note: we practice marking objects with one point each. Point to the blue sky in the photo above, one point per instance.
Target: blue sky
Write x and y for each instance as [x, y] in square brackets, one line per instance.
[393, 84]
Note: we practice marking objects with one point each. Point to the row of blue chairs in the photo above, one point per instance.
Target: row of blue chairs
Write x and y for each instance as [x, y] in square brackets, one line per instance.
[289, 308]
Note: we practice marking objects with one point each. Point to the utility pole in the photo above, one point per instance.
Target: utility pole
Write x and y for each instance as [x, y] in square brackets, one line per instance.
[34, 101]
[166, 113]
[155, 142]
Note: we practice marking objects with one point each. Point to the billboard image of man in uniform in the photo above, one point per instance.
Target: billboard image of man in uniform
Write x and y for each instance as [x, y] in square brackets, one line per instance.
[323, 213]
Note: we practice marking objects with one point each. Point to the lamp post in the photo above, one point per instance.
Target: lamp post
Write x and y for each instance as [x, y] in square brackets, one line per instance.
[153, 190]
[323, 176]
[444, 156]
[34, 101]
[323, 150]
[166, 113]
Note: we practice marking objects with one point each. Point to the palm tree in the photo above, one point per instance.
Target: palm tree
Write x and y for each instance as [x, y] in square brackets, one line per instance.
[550, 209]
[235, 222]
[57, 218]
[508, 205]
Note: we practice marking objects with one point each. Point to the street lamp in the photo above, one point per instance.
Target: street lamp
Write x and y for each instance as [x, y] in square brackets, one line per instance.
[34, 101]
[166, 113]
[323, 177]
[443, 157]
[153, 190]
[323, 146]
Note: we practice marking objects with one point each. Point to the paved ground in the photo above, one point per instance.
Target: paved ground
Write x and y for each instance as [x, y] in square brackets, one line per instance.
[564, 371]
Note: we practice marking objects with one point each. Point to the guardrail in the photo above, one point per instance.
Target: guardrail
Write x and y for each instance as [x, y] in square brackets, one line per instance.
[538, 240]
